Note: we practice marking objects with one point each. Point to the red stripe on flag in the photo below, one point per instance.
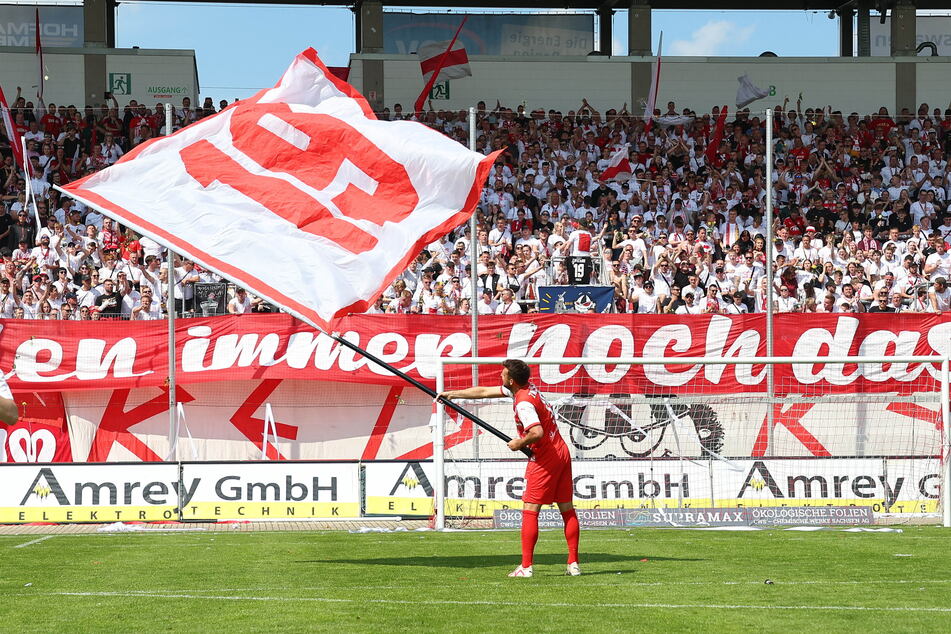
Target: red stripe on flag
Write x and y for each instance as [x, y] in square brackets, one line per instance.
[340, 72]
[453, 58]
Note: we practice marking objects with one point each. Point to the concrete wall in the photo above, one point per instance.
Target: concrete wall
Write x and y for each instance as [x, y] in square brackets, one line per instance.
[151, 72]
[849, 84]
[539, 82]
[157, 76]
[65, 72]
[933, 81]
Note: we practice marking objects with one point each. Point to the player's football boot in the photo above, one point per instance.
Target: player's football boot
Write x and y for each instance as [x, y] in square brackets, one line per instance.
[521, 572]
[573, 569]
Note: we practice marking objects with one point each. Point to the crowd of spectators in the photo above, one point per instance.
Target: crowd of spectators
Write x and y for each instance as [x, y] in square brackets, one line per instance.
[63, 260]
[860, 202]
[861, 218]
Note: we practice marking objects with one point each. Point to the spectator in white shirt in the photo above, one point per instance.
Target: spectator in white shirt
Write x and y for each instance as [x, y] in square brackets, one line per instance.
[240, 304]
[508, 305]
[938, 264]
[785, 303]
[487, 304]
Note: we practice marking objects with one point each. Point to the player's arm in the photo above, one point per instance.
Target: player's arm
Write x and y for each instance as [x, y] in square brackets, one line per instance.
[532, 435]
[8, 407]
[477, 391]
[8, 411]
[528, 415]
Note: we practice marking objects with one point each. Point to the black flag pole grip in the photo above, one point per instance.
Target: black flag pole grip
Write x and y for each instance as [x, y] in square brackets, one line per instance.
[461, 410]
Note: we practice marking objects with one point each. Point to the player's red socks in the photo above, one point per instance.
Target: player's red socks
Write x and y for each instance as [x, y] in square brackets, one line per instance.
[572, 532]
[529, 536]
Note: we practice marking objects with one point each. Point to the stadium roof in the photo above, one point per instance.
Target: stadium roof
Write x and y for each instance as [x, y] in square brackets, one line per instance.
[787, 5]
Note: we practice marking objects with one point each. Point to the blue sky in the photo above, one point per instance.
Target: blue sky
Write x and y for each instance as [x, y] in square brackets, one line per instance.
[241, 49]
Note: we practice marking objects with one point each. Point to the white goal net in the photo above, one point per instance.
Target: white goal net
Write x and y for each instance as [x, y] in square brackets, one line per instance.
[699, 441]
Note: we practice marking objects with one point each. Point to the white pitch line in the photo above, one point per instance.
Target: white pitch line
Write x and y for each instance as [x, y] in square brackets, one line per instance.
[666, 606]
[35, 541]
[642, 584]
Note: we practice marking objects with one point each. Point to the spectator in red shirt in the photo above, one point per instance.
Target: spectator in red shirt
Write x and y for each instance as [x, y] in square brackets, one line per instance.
[795, 224]
[108, 237]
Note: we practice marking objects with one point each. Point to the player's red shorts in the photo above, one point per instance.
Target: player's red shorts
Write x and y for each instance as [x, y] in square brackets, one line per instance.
[548, 483]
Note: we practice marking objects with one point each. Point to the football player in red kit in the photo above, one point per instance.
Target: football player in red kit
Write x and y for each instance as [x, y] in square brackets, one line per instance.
[548, 474]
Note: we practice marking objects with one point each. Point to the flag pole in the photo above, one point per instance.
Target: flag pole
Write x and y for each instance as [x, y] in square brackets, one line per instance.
[170, 309]
[451, 405]
[474, 277]
[30, 195]
[770, 378]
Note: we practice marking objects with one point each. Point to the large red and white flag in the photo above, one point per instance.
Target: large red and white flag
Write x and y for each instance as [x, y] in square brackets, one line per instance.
[299, 193]
[442, 60]
[39, 57]
[11, 130]
[619, 166]
[655, 85]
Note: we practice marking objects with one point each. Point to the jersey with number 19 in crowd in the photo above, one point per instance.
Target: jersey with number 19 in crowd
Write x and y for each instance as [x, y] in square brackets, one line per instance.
[299, 194]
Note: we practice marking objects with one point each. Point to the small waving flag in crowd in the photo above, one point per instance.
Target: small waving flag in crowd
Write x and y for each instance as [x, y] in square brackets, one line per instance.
[39, 57]
[299, 193]
[748, 92]
[11, 131]
[619, 166]
[455, 66]
[441, 61]
[714, 146]
[655, 86]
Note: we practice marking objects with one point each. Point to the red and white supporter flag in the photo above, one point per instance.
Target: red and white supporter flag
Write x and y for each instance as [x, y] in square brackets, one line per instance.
[442, 60]
[455, 66]
[38, 49]
[655, 85]
[299, 193]
[714, 145]
[619, 167]
[11, 131]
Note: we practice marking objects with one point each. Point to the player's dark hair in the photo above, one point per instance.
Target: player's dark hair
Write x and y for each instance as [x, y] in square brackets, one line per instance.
[519, 371]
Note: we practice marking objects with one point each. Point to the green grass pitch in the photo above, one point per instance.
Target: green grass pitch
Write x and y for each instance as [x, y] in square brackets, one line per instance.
[634, 581]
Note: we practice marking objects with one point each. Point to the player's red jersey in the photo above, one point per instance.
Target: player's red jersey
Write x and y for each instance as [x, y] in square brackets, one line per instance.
[531, 409]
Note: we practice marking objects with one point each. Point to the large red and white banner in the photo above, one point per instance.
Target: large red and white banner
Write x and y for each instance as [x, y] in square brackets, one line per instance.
[298, 193]
[66, 356]
[94, 393]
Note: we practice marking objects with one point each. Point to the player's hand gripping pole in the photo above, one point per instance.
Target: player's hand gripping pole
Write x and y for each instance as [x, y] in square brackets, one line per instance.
[461, 410]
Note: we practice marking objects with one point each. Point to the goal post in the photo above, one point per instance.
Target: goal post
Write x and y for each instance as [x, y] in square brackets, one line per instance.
[692, 440]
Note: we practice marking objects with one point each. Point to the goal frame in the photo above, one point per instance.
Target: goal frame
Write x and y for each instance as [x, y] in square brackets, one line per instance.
[944, 362]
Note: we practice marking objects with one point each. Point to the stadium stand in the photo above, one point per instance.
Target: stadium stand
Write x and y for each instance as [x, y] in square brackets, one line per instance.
[862, 218]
